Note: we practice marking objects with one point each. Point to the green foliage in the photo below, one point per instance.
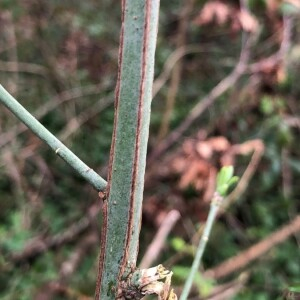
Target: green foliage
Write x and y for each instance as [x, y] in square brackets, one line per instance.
[24, 281]
[179, 245]
[14, 236]
[294, 289]
[205, 286]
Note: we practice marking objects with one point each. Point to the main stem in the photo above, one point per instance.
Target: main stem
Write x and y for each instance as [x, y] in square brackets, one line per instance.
[122, 209]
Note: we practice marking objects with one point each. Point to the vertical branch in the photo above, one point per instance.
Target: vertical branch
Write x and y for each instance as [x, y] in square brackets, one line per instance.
[119, 244]
[215, 205]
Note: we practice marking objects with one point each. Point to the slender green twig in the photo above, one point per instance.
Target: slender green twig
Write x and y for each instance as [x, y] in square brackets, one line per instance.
[60, 149]
[215, 204]
[225, 179]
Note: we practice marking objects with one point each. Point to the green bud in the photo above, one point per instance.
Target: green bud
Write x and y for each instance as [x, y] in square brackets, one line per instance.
[225, 179]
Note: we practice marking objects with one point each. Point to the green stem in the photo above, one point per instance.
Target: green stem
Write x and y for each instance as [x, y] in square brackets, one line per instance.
[122, 210]
[215, 204]
[60, 149]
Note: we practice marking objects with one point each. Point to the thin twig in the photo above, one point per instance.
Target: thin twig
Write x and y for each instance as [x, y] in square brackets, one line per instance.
[158, 241]
[60, 149]
[40, 245]
[177, 71]
[204, 103]
[227, 290]
[281, 54]
[256, 251]
[12, 54]
[170, 63]
[84, 116]
[23, 67]
[49, 106]
[215, 205]
[259, 148]
[69, 266]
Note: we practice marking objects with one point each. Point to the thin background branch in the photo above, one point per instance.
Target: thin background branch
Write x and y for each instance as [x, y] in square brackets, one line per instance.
[254, 252]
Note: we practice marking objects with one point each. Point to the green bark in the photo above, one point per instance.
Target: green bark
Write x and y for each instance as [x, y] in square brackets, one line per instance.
[122, 215]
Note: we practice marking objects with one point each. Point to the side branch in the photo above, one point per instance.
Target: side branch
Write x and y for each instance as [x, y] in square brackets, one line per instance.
[60, 149]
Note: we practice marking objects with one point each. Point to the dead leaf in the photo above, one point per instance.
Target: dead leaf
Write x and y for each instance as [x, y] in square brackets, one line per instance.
[213, 11]
[221, 13]
[248, 22]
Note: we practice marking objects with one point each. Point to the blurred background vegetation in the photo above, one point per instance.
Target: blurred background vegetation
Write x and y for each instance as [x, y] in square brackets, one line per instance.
[59, 59]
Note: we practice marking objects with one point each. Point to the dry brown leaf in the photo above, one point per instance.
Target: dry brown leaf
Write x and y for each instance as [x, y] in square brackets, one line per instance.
[281, 74]
[213, 11]
[189, 176]
[204, 149]
[188, 147]
[248, 22]
[219, 143]
[248, 147]
[179, 164]
[220, 13]
[195, 165]
[228, 158]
